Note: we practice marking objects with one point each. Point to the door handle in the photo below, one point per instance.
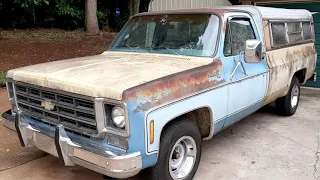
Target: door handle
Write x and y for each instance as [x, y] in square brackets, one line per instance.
[239, 62]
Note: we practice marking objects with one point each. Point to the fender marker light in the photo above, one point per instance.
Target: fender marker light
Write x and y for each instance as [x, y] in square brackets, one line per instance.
[152, 132]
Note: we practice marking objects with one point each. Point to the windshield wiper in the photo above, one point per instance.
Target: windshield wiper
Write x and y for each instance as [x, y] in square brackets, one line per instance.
[126, 45]
[174, 52]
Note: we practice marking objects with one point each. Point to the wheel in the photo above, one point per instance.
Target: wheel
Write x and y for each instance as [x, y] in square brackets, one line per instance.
[179, 153]
[288, 104]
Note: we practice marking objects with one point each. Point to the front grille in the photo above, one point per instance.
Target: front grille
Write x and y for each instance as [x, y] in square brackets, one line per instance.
[77, 114]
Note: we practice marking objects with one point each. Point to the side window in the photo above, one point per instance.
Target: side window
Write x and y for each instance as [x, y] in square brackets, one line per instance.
[306, 29]
[279, 34]
[294, 32]
[238, 31]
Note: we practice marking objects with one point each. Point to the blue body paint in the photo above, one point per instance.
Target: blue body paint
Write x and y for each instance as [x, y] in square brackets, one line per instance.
[232, 101]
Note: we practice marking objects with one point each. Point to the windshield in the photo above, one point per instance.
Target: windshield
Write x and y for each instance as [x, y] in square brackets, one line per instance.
[191, 34]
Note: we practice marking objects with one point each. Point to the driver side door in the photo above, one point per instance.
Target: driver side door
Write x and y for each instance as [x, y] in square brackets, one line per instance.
[247, 81]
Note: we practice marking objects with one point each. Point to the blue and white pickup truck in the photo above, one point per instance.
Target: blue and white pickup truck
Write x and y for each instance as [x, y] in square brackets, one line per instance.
[168, 81]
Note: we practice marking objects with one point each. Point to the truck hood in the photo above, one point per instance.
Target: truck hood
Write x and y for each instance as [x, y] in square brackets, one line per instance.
[107, 75]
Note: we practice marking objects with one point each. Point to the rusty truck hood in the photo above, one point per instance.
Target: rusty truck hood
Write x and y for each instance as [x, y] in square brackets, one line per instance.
[106, 75]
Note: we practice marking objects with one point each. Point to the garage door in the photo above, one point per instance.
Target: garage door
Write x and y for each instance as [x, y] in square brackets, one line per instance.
[313, 7]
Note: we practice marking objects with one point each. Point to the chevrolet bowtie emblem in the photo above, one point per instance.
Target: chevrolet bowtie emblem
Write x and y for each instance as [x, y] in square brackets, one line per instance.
[47, 105]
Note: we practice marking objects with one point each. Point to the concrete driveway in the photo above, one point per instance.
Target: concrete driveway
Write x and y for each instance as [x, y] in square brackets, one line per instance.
[262, 146]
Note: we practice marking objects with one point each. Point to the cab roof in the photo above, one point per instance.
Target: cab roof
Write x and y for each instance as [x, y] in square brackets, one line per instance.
[265, 13]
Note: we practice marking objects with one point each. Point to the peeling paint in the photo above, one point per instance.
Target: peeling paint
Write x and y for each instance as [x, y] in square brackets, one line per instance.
[175, 86]
[284, 63]
[106, 75]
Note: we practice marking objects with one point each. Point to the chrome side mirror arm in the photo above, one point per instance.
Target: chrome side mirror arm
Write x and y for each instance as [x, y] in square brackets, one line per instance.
[239, 62]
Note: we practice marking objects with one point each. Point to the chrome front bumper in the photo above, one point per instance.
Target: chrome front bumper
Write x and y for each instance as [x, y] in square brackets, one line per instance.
[71, 153]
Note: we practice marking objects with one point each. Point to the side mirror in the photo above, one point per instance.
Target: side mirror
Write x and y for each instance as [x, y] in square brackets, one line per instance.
[253, 52]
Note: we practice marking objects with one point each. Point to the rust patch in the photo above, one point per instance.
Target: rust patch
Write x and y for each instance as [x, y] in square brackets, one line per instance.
[219, 11]
[267, 35]
[186, 11]
[225, 23]
[175, 86]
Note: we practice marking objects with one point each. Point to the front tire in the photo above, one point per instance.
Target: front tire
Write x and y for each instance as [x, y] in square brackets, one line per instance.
[288, 104]
[179, 153]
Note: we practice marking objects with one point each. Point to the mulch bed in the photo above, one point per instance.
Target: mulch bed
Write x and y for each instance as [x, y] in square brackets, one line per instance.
[27, 47]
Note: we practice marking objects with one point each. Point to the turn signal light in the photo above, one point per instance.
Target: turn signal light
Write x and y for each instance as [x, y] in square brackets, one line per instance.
[152, 132]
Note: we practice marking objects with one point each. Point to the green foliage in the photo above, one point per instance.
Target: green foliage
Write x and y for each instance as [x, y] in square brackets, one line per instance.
[30, 6]
[31, 3]
[66, 8]
[2, 78]
[64, 14]
[103, 15]
[70, 11]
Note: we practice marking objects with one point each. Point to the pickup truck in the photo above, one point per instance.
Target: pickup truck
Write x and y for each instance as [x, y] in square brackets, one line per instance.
[168, 81]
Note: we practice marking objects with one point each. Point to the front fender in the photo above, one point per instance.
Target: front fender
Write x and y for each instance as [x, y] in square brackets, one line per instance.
[213, 99]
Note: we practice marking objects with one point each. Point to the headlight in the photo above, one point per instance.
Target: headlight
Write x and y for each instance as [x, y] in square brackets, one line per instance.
[118, 116]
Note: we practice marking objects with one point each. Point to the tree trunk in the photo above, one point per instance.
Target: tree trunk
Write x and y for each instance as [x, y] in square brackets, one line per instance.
[134, 6]
[91, 22]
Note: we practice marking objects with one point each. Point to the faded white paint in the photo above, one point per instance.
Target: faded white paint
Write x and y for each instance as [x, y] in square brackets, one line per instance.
[283, 63]
[268, 13]
[157, 5]
[281, 13]
[106, 75]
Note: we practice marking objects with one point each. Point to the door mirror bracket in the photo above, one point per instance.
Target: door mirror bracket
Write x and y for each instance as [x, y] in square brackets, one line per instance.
[238, 63]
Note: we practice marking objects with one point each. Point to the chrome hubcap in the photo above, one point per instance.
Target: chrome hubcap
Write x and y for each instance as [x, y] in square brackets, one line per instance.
[294, 96]
[182, 157]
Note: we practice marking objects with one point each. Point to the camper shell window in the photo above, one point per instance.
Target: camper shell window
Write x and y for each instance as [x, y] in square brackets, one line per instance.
[279, 34]
[307, 30]
[294, 32]
[290, 33]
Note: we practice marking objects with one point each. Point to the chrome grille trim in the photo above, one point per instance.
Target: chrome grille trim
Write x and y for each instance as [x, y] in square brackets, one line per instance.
[75, 112]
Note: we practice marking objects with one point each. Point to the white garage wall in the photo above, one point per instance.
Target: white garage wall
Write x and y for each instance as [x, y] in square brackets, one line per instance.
[157, 5]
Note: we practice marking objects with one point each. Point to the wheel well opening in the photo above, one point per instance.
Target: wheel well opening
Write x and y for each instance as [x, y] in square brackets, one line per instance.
[201, 117]
[301, 75]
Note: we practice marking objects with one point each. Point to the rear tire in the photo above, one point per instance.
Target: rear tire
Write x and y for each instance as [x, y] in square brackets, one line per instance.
[179, 153]
[288, 104]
